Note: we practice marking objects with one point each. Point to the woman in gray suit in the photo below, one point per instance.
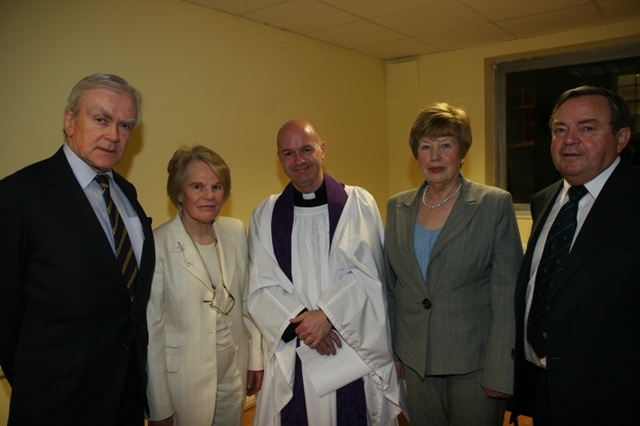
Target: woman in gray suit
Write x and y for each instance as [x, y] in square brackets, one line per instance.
[204, 349]
[453, 252]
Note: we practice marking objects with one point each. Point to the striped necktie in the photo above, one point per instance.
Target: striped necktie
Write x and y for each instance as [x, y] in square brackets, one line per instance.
[124, 250]
[556, 250]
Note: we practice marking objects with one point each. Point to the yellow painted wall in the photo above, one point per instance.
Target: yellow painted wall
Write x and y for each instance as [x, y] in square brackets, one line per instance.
[227, 83]
[207, 77]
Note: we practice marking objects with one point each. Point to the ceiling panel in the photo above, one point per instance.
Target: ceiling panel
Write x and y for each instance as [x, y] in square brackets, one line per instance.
[497, 10]
[302, 16]
[357, 34]
[432, 19]
[375, 8]
[553, 22]
[390, 29]
[471, 36]
[619, 10]
[236, 7]
[397, 49]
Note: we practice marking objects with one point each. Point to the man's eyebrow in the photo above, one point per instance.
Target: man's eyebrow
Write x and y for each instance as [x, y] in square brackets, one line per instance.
[130, 122]
[106, 114]
[100, 111]
[588, 120]
[585, 121]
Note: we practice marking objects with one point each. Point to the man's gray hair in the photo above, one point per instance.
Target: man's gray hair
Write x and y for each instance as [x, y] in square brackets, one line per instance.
[104, 81]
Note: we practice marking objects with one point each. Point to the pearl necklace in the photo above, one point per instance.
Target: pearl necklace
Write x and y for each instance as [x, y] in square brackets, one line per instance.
[441, 203]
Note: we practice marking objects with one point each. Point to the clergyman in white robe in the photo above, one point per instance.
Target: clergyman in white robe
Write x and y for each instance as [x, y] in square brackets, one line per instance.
[342, 277]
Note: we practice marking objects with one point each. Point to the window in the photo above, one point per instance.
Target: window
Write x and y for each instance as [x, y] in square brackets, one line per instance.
[525, 92]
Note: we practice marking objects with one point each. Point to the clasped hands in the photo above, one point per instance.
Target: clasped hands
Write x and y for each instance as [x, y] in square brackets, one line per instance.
[316, 331]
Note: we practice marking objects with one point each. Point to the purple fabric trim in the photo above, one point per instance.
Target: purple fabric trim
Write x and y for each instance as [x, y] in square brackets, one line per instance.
[351, 403]
[350, 399]
[282, 220]
[295, 412]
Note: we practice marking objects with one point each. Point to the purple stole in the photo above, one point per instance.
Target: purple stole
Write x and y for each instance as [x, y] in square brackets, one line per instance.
[282, 220]
[350, 399]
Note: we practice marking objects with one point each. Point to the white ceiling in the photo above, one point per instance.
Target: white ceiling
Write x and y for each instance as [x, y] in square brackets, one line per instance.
[390, 29]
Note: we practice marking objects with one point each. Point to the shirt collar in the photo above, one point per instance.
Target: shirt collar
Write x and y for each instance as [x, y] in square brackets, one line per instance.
[595, 185]
[83, 172]
[314, 199]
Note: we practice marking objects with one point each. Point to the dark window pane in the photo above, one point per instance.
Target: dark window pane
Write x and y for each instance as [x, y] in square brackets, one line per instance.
[530, 97]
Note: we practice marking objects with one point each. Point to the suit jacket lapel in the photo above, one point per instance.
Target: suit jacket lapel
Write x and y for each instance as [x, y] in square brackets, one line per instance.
[407, 210]
[77, 210]
[227, 252]
[147, 261]
[540, 209]
[186, 255]
[461, 214]
[608, 210]
[544, 207]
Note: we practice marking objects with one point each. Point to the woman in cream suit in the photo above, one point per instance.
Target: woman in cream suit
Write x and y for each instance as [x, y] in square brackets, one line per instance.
[453, 252]
[204, 350]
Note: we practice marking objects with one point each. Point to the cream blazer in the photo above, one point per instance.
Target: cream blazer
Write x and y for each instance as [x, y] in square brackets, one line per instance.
[182, 364]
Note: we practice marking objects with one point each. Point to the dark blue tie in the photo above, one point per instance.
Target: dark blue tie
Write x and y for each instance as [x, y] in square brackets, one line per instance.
[556, 250]
[124, 250]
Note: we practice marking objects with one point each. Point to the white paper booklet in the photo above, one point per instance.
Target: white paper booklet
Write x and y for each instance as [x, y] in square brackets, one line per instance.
[330, 372]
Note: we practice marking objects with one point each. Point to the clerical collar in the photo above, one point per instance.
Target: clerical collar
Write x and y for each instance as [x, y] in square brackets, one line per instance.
[313, 199]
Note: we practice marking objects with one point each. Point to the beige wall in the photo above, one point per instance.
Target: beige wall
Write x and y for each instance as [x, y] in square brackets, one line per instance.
[207, 78]
[213, 79]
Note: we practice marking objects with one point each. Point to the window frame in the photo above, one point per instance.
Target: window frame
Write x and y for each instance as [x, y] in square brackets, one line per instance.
[502, 68]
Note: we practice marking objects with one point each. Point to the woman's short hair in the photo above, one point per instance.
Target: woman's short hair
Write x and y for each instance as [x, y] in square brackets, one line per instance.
[180, 163]
[441, 119]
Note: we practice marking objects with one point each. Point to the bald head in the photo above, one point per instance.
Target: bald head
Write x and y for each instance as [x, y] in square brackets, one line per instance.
[300, 128]
[301, 151]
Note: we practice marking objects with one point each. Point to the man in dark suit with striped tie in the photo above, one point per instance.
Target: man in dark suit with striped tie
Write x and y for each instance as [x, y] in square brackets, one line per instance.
[76, 261]
[577, 296]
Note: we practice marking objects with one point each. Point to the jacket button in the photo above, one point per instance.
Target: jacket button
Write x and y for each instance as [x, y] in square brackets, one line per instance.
[426, 303]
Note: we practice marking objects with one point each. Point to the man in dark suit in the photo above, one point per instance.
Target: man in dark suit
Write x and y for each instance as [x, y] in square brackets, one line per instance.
[578, 323]
[73, 329]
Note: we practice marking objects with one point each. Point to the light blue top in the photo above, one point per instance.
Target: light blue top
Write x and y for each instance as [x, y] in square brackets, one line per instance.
[423, 241]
